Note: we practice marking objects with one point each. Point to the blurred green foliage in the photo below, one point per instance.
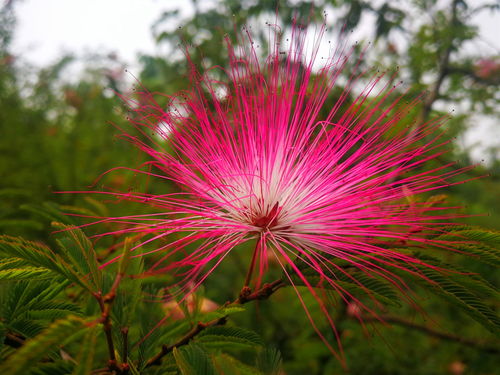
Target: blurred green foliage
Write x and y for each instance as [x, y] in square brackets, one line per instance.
[60, 134]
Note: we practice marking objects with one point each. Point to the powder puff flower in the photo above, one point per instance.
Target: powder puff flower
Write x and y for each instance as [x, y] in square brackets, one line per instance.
[261, 153]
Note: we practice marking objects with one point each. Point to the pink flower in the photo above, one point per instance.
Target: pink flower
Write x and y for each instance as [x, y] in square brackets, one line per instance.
[262, 153]
[488, 68]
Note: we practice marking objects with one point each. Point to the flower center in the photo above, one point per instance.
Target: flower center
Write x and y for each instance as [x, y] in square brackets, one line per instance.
[269, 220]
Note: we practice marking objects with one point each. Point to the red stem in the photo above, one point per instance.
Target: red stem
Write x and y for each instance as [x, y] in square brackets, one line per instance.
[252, 264]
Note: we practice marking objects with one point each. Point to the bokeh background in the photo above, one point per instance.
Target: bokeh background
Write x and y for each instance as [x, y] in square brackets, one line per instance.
[62, 64]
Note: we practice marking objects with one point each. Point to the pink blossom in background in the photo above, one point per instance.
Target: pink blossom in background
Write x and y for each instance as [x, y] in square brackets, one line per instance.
[261, 153]
[488, 68]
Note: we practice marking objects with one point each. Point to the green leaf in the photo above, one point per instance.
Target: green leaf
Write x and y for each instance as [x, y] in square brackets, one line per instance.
[375, 287]
[54, 368]
[24, 304]
[85, 359]
[228, 365]
[359, 285]
[269, 361]
[485, 236]
[482, 243]
[25, 273]
[80, 252]
[58, 333]
[129, 295]
[26, 327]
[229, 338]
[51, 310]
[27, 307]
[152, 334]
[220, 313]
[472, 281]
[39, 255]
[192, 359]
[133, 369]
[125, 258]
[450, 287]
[23, 296]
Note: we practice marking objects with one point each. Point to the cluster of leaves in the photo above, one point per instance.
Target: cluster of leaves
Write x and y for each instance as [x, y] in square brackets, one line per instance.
[54, 321]
[472, 293]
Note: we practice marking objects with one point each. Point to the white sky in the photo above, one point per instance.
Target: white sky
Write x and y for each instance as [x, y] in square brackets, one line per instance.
[46, 28]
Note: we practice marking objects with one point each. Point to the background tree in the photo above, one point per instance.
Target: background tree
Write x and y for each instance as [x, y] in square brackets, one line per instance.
[57, 135]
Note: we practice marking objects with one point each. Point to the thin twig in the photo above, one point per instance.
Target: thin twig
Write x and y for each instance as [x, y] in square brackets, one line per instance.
[124, 331]
[432, 332]
[105, 304]
[265, 292]
[125, 365]
[246, 295]
[443, 69]
[165, 349]
[103, 370]
[13, 340]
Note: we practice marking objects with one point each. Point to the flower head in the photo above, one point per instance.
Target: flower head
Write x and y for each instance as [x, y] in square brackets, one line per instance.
[262, 152]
